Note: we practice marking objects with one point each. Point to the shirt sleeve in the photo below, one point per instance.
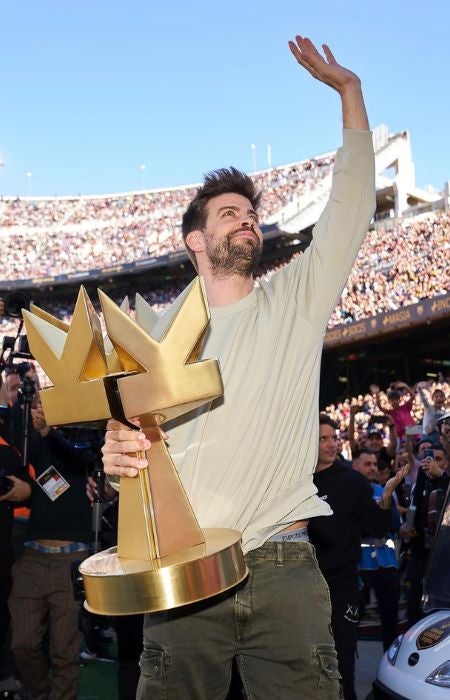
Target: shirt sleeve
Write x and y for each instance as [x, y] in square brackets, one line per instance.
[315, 279]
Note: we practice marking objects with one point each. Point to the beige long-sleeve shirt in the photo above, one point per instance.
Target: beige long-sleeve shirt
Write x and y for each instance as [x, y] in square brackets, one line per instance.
[247, 460]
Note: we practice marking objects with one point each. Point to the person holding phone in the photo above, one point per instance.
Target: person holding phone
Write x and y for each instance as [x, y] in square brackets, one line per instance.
[432, 480]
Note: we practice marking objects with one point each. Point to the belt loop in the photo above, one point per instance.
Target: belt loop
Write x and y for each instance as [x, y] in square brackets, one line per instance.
[279, 553]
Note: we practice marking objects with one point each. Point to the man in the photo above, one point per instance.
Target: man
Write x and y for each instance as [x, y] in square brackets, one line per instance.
[428, 494]
[337, 540]
[378, 565]
[14, 488]
[57, 537]
[12, 384]
[416, 453]
[375, 442]
[434, 410]
[247, 460]
[373, 437]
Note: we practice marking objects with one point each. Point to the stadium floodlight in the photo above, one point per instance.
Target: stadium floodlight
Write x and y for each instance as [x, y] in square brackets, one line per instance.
[253, 147]
[29, 175]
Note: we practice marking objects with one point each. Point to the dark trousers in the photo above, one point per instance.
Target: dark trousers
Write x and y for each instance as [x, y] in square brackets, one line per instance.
[7, 666]
[414, 573]
[129, 629]
[385, 582]
[345, 602]
[276, 625]
[42, 601]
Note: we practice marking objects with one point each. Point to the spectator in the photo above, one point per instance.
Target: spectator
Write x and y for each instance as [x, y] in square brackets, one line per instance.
[337, 540]
[434, 410]
[432, 481]
[42, 598]
[378, 565]
[398, 408]
[14, 488]
[416, 454]
[373, 438]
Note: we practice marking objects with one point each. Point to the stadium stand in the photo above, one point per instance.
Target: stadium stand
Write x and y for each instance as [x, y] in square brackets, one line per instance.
[404, 258]
[47, 236]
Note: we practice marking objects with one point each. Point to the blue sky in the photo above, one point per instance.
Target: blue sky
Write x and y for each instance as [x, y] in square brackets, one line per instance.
[91, 90]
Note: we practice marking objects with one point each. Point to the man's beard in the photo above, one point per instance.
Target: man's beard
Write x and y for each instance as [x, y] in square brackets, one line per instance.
[228, 258]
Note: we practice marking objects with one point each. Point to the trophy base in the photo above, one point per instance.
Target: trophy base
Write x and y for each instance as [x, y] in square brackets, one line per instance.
[118, 586]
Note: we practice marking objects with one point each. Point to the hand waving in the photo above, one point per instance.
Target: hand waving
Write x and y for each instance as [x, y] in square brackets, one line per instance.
[327, 69]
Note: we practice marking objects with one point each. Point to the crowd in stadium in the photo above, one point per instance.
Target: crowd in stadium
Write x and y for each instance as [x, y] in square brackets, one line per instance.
[364, 407]
[48, 236]
[397, 266]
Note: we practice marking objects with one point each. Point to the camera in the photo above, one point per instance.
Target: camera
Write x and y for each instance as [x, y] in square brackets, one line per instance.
[9, 363]
[15, 302]
[17, 347]
[21, 368]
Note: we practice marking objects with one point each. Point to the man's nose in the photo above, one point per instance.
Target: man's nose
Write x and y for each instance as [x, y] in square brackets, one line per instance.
[246, 221]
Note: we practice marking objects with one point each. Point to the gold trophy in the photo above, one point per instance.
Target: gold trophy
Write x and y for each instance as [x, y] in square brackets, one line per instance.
[163, 558]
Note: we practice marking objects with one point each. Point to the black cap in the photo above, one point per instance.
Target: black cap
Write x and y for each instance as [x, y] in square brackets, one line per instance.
[375, 431]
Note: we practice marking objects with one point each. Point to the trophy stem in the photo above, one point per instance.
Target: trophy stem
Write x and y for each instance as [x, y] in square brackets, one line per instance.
[149, 509]
[156, 519]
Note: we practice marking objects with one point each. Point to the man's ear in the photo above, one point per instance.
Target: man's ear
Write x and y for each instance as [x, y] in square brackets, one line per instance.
[194, 240]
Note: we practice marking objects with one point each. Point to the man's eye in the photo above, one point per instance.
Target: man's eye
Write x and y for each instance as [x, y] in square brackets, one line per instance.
[229, 212]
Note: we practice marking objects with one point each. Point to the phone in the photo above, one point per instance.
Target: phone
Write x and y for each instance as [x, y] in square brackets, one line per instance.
[413, 430]
[428, 454]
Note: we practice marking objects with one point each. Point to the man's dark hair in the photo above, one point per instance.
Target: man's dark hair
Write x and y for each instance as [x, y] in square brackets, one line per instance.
[362, 451]
[324, 419]
[215, 183]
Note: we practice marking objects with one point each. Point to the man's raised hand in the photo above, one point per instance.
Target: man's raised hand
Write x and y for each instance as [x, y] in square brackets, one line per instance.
[327, 69]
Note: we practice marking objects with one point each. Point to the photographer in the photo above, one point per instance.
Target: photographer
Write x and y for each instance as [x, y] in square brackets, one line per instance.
[21, 382]
[57, 538]
[14, 488]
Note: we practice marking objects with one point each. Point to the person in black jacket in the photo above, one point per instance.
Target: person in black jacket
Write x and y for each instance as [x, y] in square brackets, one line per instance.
[57, 537]
[337, 540]
[14, 489]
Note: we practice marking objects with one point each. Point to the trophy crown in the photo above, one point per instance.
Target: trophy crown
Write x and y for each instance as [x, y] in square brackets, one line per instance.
[74, 359]
[170, 379]
[156, 378]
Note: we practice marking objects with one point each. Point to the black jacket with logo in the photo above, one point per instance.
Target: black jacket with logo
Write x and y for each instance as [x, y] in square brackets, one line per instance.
[337, 538]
